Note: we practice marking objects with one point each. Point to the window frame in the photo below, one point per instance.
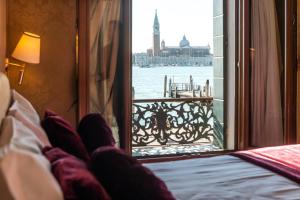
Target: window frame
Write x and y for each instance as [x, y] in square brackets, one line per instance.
[126, 31]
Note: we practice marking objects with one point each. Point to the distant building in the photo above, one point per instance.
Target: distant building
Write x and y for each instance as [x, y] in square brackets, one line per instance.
[156, 36]
[181, 55]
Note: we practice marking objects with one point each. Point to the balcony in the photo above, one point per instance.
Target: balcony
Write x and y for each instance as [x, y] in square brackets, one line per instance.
[175, 126]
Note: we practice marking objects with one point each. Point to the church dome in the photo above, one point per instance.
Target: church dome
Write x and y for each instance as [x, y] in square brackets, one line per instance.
[184, 42]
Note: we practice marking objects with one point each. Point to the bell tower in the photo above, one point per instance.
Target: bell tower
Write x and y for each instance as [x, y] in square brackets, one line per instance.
[156, 36]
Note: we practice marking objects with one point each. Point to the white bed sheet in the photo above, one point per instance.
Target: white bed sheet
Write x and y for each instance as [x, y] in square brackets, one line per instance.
[223, 177]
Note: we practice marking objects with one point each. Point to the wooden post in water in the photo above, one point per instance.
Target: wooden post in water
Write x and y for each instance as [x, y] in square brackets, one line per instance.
[170, 87]
[207, 88]
[165, 86]
[133, 92]
[191, 83]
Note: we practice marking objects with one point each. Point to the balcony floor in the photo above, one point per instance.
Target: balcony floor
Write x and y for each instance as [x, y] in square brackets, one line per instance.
[173, 149]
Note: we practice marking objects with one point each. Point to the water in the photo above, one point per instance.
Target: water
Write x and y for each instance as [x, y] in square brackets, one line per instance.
[149, 82]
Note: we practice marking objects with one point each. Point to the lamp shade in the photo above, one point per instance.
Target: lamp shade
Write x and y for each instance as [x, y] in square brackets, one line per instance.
[28, 48]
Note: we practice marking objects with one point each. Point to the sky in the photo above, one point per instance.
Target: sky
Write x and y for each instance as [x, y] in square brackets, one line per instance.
[193, 18]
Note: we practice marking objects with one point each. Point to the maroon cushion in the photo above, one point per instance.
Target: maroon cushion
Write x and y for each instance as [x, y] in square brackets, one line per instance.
[50, 113]
[61, 134]
[95, 132]
[76, 182]
[126, 178]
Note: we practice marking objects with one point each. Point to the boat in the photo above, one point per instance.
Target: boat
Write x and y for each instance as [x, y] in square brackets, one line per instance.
[145, 66]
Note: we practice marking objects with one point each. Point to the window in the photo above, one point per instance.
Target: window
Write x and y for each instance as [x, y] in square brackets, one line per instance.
[178, 82]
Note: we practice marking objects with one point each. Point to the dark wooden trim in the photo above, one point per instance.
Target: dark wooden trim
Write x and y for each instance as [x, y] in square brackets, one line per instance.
[298, 102]
[83, 57]
[290, 71]
[298, 73]
[168, 158]
[125, 76]
[243, 93]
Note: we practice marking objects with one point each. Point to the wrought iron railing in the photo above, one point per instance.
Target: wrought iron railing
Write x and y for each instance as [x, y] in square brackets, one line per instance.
[172, 121]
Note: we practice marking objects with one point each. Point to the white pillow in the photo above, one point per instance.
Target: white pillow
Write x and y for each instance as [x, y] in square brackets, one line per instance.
[15, 134]
[26, 108]
[27, 178]
[4, 190]
[26, 172]
[15, 111]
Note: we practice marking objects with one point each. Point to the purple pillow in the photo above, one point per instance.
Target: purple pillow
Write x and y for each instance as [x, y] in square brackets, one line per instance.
[61, 134]
[95, 132]
[126, 178]
[49, 113]
[76, 182]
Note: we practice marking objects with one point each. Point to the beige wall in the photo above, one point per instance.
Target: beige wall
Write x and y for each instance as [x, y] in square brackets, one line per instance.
[52, 83]
[2, 32]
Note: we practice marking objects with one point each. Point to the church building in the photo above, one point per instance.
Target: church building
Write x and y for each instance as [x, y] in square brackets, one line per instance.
[182, 55]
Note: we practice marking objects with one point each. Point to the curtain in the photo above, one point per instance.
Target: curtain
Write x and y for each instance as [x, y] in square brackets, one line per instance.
[266, 69]
[104, 45]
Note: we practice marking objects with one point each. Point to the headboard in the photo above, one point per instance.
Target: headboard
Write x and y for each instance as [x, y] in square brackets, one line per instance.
[5, 96]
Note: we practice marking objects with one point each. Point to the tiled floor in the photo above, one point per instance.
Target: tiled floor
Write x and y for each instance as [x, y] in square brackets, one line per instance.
[173, 149]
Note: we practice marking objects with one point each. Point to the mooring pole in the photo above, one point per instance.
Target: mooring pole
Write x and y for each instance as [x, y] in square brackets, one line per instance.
[133, 93]
[207, 88]
[170, 88]
[165, 85]
[191, 83]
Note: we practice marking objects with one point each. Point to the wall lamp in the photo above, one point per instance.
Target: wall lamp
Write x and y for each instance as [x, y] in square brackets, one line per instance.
[27, 51]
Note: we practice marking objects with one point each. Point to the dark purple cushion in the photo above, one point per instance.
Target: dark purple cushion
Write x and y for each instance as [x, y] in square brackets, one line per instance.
[61, 134]
[126, 178]
[76, 182]
[95, 132]
[49, 113]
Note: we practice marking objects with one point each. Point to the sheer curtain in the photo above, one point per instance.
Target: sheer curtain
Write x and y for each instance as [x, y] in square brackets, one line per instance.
[104, 45]
[266, 67]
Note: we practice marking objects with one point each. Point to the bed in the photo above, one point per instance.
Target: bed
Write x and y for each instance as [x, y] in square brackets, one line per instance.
[223, 177]
[262, 173]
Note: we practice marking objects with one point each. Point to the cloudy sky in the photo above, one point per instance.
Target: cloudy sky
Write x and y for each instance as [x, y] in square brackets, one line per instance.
[194, 18]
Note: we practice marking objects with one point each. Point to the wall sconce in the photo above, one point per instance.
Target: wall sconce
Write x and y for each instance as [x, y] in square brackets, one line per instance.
[28, 51]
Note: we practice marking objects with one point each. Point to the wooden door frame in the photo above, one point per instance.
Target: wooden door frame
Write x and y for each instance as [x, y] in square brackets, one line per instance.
[243, 79]
[290, 71]
[298, 73]
[83, 56]
[125, 77]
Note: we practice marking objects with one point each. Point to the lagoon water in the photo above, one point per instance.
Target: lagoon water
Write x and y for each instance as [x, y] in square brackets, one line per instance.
[149, 82]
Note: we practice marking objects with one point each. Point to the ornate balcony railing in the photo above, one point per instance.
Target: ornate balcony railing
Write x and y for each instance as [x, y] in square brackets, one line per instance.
[158, 122]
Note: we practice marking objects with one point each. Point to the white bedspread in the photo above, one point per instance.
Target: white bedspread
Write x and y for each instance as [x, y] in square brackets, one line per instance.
[223, 177]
